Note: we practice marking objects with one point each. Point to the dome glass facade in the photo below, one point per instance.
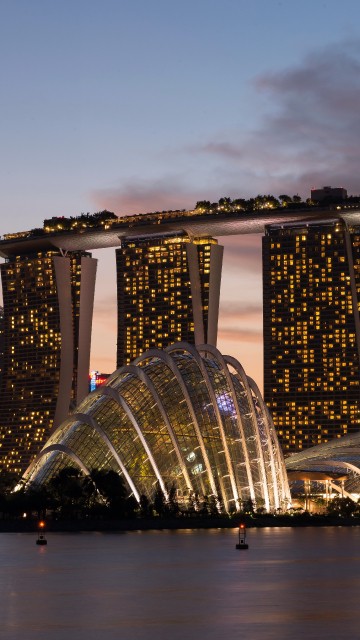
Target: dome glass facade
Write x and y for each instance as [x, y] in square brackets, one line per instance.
[185, 417]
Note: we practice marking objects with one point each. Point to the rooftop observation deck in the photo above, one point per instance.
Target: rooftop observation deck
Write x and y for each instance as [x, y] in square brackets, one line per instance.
[87, 232]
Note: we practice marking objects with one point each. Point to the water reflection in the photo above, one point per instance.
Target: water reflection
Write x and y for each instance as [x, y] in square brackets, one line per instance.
[291, 583]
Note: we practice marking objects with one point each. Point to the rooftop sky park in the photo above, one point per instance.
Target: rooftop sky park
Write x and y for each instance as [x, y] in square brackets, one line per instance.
[226, 217]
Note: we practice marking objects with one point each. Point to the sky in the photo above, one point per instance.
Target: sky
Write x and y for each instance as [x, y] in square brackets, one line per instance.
[142, 105]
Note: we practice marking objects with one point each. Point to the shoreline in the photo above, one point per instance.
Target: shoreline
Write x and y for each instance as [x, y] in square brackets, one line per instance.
[157, 524]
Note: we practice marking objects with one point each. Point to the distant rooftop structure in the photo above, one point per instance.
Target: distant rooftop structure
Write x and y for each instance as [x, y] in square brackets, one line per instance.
[96, 379]
[329, 194]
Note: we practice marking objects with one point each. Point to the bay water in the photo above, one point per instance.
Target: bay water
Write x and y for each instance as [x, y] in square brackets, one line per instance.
[291, 584]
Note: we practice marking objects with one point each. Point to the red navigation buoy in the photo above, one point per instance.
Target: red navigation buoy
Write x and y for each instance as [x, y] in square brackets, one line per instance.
[41, 535]
[242, 537]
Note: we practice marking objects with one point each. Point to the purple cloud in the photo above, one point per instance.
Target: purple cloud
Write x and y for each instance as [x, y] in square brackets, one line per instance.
[309, 135]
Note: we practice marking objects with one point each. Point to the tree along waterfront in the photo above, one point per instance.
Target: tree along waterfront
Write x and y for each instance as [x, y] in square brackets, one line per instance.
[73, 501]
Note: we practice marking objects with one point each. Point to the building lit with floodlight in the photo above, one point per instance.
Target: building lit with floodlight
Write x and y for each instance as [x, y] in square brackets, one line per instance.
[48, 301]
[1, 342]
[311, 280]
[168, 290]
[25, 335]
[334, 464]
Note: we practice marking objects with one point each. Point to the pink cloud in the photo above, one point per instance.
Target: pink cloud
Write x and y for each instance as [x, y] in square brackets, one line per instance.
[242, 252]
[142, 196]
[239, 335]
[240, 312]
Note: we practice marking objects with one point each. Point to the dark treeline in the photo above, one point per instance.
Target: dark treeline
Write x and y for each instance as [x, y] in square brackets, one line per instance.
[102, 494]
[71, 496]
[263, 201]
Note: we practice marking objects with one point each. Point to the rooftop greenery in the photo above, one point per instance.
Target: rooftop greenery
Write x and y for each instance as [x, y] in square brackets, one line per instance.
[225, 206]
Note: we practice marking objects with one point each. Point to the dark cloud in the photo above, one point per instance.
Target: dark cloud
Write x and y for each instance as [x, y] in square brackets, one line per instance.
[309, 134]
[226, 149]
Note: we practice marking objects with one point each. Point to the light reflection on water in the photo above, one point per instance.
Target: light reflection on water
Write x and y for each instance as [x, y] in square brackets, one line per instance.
[290, 584]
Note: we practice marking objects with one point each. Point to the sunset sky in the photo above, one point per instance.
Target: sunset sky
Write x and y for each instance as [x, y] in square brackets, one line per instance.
[141, 105]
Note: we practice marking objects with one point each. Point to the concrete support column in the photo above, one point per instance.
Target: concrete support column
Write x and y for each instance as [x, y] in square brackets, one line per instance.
[62, 267]
[87, 291]
[216, 259]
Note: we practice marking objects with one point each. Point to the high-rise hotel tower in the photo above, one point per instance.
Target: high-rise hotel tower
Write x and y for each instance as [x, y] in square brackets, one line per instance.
[168, 291]
[311, 279]
[48, 303]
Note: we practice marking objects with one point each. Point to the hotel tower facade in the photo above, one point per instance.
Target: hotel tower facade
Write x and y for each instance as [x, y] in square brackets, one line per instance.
[311, 281]
[168, 286]
[168, 291]
[48, 304]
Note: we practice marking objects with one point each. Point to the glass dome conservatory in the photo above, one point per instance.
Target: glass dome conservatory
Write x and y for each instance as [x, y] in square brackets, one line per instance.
[185, 417]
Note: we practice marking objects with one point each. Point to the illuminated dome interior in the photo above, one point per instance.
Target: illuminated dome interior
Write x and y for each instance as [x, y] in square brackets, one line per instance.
[185, 417]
